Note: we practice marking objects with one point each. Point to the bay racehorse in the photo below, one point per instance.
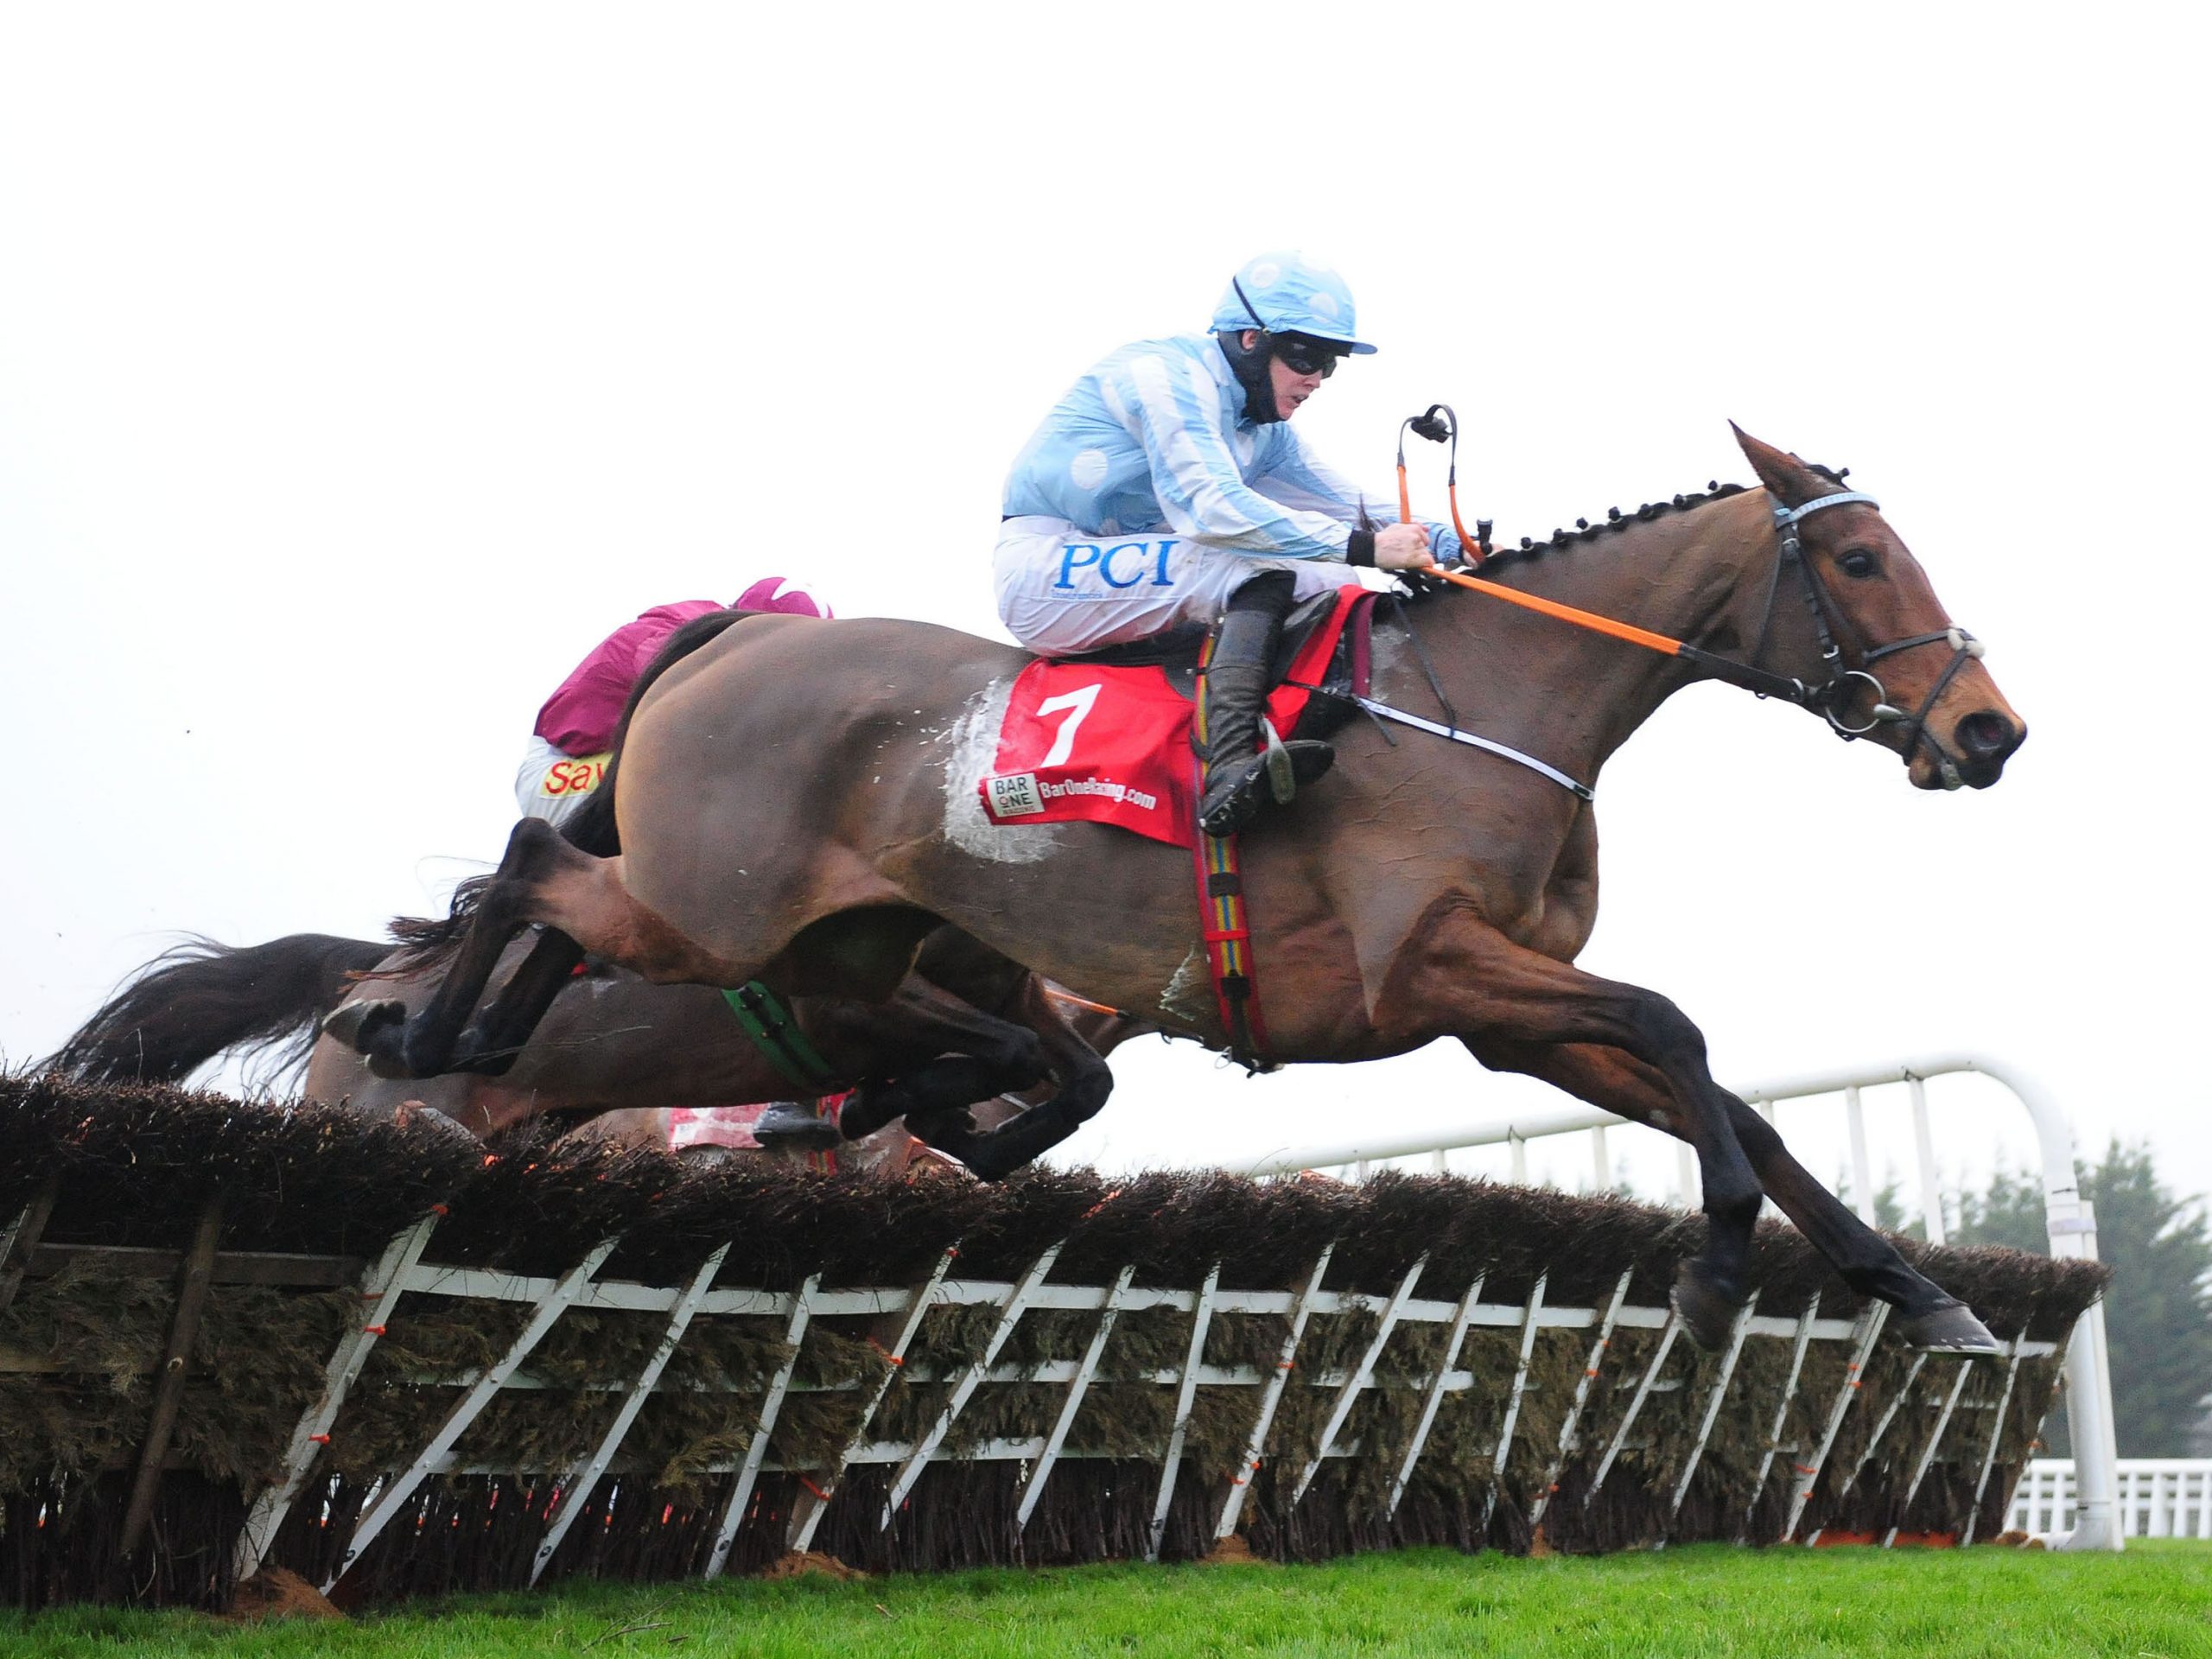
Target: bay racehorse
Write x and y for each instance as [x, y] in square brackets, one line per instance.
[614, 1054]
[799, 801]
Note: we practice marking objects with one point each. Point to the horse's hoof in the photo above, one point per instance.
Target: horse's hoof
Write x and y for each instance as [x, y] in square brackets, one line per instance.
[373, 1030]
[1707, 1310]
[788, 1126]
[1950, 1329]
[356, 1023]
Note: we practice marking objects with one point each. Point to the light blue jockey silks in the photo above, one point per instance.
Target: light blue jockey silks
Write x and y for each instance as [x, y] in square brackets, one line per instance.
[1154, 437]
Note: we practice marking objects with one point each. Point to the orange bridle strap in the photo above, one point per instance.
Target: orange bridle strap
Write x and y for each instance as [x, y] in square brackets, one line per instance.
[1551, 607]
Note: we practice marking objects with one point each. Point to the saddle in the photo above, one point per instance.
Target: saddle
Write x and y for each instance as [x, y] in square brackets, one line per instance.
[1105, 737]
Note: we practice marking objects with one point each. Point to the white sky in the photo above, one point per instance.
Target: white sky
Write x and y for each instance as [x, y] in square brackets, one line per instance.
[360, 368]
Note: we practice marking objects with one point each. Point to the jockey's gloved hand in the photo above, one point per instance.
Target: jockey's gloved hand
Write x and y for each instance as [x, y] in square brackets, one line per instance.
[1401, 547]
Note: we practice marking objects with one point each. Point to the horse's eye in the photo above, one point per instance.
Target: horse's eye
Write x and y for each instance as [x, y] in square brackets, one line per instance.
[1859, 562]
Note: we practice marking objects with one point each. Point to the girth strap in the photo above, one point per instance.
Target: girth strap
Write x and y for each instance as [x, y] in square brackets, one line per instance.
[1227, 931]
[777, 1036]
[1223, 923]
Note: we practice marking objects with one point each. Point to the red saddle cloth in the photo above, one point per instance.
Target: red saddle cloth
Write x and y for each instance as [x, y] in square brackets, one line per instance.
[1112, 745]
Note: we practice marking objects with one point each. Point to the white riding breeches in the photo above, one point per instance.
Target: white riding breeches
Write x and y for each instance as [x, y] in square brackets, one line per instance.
[1061, 592]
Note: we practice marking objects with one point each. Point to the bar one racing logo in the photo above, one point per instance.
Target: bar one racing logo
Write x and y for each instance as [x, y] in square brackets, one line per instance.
[1020, 794]
[566, 778]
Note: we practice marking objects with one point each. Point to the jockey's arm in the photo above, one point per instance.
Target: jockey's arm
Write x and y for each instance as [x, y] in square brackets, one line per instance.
[1299, 478]
[1172, 408]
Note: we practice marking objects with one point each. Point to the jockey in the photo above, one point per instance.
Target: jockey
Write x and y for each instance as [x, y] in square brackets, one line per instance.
[568, 752]
[1166, 488]
[567, 757]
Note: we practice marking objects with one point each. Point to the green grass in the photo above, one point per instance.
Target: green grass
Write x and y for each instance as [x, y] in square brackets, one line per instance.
[1865, 1604]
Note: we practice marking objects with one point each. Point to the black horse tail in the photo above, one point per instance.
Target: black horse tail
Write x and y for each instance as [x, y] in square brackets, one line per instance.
[202, 998]
[427, 942]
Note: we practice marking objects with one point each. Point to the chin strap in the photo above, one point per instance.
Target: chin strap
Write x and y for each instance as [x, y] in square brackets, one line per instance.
[1250, 368]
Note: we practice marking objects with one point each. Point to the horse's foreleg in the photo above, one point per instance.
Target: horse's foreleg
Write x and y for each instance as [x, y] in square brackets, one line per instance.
[1083, 1079]
[1869, 1263]
[1466, 977]
[962, 1056]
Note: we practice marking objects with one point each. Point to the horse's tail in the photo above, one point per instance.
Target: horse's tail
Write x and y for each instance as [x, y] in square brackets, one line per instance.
[202, 998]
[427, 942]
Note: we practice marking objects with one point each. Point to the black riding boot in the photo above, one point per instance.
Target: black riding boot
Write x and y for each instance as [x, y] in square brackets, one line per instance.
[1238, 781]
[795, 1124]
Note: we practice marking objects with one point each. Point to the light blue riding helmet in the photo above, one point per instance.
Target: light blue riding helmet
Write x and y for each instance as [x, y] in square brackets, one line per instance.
[1284, 294]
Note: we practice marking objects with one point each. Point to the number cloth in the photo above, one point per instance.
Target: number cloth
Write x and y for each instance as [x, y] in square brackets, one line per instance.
[1104, 745]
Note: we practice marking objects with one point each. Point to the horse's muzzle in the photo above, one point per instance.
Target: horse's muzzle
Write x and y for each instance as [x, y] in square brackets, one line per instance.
[1980, 744]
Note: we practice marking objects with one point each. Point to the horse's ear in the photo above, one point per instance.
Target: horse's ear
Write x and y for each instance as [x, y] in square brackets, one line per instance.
[1788, 480]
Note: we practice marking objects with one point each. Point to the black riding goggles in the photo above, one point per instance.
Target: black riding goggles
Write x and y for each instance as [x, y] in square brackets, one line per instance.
[1302, 355]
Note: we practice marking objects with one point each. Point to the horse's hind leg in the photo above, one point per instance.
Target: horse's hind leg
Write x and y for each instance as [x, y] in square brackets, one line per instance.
[971, 1057]
[492, 1044]
[1869, 1263]
[1084, 1080]
[398, 1045]
[541, 879]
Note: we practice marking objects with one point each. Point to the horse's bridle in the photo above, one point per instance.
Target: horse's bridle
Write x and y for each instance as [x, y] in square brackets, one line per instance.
[1827, 698]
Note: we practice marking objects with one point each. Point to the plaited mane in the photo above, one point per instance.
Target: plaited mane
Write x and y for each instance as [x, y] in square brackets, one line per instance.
[1615, 520]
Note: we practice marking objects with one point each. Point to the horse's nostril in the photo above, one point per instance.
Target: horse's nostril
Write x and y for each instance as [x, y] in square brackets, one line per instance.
[1986, 733]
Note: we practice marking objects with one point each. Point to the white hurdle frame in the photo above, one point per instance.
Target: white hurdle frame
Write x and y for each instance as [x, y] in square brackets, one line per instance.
[555, 1302]
[2070, 1219]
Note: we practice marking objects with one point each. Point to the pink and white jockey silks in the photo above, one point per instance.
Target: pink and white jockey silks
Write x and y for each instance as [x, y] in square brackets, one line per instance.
[567, 753]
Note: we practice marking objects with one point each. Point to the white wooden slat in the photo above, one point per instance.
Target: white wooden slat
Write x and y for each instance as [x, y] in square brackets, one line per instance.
[1017, 1301]
[1240, 1483]
[575, 1489]
[813, 1501]
[1934, 1440]
[1032, 1487]
[1348, 1396]
[1530, 1316]
[380, 1292]
[1745, 1317]
[1809, 1474]
[1781, 1417]
[1186, 1393]
[1635, 1409]
[1591, 1368]
[1902, 1392]
[1433, 1397]
[772, 1406]
[1996, 1436]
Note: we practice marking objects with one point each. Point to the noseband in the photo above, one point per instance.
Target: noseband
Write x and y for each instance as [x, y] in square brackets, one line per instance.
[1827, 698]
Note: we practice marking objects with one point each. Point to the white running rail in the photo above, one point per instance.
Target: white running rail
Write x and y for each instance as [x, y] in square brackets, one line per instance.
[2159, 1497]
[2070, 1219]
